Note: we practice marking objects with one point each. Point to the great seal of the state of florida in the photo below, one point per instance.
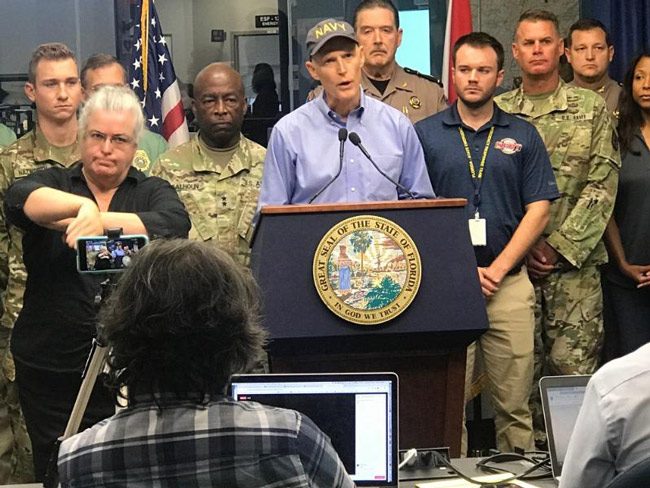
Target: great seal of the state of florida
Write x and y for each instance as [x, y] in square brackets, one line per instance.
[367, 269]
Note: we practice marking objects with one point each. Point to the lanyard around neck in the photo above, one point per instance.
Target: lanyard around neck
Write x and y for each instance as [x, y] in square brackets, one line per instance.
[476, 178]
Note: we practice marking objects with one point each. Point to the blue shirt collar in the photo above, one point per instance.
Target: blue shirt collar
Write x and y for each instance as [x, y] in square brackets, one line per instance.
[452, 117]
[323, 108]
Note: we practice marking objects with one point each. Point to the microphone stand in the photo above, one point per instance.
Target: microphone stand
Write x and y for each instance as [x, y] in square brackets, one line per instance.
[356, 140]
[343, 135]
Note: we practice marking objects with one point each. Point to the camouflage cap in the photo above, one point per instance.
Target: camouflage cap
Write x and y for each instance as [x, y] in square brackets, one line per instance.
[325, 30]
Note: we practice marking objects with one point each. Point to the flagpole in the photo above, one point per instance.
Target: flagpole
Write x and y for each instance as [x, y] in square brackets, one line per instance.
[153, 79]
[144, 37]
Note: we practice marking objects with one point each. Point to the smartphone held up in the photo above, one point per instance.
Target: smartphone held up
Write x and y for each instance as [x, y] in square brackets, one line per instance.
[103, 254]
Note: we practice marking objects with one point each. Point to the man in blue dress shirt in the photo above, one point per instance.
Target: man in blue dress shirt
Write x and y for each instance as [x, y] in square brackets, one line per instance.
[302, 159]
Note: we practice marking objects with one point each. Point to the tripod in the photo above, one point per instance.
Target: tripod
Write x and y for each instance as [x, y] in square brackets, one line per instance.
[93, 368]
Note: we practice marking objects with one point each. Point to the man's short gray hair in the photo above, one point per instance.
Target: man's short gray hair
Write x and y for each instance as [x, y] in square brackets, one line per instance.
[113, 99]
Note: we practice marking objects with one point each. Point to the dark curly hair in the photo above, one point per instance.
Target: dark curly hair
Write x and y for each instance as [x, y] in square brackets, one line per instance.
[183, 318]
[630, 116]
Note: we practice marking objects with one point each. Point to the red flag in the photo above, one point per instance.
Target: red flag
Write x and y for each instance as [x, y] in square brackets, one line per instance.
[459, 23]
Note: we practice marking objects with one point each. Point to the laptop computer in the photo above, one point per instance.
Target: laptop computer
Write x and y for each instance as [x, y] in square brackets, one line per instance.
[358, 411]
[561, 401]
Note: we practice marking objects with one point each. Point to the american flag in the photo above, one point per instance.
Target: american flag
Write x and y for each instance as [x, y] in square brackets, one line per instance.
[158, 91]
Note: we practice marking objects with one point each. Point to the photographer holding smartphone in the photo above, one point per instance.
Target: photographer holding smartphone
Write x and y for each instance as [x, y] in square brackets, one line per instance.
[54, 207]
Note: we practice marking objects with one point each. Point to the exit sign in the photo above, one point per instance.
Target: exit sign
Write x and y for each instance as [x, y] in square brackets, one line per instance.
[265, 21]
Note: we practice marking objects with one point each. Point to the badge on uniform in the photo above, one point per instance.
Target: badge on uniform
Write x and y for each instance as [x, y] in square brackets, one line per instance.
[478, 231]
[141, 160]
[415, 102]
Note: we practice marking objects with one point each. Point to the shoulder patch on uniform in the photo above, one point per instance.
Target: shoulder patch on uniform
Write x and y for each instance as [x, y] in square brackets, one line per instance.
[422, 75]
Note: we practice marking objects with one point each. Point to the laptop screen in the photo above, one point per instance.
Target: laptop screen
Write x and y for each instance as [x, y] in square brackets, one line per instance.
[561, 400]
[357, 411]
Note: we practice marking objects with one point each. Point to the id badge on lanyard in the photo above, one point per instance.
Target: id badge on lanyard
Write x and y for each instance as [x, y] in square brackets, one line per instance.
[477, 225]
[478, 230]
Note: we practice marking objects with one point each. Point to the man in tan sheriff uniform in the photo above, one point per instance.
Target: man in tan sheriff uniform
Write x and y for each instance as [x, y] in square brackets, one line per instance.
[589, 50]
[218, 173]
[416, 95]
[53, 86]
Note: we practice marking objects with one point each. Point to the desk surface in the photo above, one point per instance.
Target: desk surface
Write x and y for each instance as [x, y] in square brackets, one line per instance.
[468, 467]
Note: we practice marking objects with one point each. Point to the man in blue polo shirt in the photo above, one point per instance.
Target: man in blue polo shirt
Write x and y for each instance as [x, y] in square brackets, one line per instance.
[302, 160]
[499, 163]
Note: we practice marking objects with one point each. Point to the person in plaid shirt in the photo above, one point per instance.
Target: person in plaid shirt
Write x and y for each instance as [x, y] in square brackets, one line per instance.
[183, 318]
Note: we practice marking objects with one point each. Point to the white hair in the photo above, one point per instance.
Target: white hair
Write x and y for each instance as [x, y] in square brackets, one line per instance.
[113, 99]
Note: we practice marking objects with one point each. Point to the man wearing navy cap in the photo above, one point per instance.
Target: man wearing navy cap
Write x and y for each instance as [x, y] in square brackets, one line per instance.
[303, 163]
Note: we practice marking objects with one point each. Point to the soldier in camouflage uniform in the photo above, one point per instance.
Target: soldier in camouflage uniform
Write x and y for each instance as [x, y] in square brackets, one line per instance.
[104, 69]
[416, 95]
[53, 86]
[7, 387]
[218, 173]
[583, 149]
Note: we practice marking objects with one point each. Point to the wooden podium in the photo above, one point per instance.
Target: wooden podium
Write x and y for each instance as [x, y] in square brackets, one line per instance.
[425, 345]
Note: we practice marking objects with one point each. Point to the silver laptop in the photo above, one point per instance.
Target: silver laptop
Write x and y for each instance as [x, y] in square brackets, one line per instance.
[561, 401]
[358, 411]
